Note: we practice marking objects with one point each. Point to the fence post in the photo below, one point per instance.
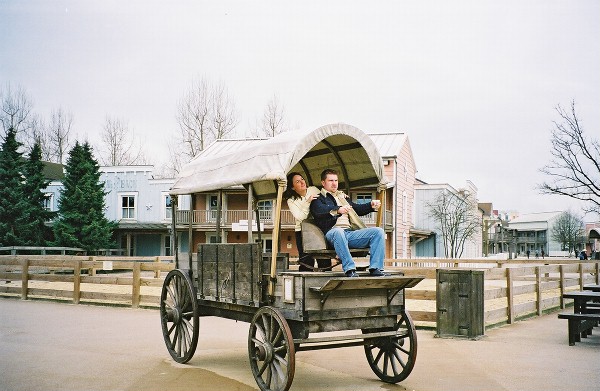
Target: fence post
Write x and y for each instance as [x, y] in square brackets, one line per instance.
[92, 271]
[562, 286]
[597, 272]
[509, 294]
[135, 285]
[157, 270]
[77, 282]
[24, 278]
[581, 282]
[538, 278]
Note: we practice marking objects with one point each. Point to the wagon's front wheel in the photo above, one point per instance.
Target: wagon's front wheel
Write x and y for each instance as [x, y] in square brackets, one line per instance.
[271, 350]
[179, 315]
[393, 358]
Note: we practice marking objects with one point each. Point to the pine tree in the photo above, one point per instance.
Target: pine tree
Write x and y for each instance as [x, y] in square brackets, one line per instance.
[33, 229]
[81, 221]
[13, 201]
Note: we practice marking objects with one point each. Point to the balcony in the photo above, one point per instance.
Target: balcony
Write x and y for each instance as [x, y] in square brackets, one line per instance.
[208, 218]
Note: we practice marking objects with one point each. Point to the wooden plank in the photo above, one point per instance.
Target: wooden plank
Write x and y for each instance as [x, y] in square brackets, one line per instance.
[509, 295]
[54, 293]
[538, 292]
[414, 294]
[135, 287]
[13, 290]
[347, 283]
[496, 316]
[77, 282]
[24, 278]
[523, 289]
[496, 293]
[10, 276]
[124, 298]
[157, 267]
[423, 316]
[107, 280]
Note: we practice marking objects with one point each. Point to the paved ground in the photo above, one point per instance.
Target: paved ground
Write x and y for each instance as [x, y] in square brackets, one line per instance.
[54, 346]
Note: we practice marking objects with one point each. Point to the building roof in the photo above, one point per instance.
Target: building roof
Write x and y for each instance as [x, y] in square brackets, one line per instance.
[535, 217]
[388, 144]
[53, 171]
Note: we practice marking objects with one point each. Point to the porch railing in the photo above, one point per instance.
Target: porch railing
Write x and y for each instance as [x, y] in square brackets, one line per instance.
[209, 217]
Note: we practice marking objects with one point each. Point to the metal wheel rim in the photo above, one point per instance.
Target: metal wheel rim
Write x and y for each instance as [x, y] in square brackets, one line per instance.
[271, 350]
[179, 316]
[393, 358]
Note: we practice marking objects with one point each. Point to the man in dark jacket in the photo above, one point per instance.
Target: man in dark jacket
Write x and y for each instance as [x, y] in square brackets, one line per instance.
[339, 221]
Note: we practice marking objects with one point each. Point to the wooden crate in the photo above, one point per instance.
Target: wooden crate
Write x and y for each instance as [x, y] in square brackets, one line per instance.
[230, 273]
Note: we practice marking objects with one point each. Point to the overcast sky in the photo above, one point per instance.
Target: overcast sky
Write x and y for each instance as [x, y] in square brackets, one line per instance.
[474, 84]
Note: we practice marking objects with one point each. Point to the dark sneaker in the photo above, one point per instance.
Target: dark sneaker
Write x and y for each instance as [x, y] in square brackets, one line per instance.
[378, 273]
[351, 273]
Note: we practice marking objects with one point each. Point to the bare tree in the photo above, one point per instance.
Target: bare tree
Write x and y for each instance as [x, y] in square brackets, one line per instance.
[456, 215]
[575, 168]
[273, 120]
[569, 231]
[58, 134]
[193, 117]
[118, 144]
[204, 113]
[15, 111]
[38, 133]
[224, 117]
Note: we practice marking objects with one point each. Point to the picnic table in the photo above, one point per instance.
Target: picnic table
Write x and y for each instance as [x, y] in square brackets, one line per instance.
[585, 316]
[581, 300]
[592, 287]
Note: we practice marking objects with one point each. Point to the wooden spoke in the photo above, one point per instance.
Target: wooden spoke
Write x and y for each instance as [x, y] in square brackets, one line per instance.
[179, 315]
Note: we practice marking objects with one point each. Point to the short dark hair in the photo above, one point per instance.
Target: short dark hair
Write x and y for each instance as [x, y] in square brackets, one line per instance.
[328, 171]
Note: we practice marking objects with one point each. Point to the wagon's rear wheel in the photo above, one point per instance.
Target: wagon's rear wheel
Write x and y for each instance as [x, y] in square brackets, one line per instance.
[179, 315]
[393, 358]
[271, 350]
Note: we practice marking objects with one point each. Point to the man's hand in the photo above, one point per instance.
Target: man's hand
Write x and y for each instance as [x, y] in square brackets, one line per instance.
[375, 204]
[344, 209]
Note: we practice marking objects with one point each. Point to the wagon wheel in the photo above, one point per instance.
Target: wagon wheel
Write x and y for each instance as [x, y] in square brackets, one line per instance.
[393, 358]
[271, 350]
[179, 315]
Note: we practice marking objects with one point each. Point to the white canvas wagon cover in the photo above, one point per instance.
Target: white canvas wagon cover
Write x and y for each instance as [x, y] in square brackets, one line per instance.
[265, 163]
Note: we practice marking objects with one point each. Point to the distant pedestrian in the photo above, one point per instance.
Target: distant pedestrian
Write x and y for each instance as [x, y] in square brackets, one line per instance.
[543, 253]
[582, 255]
[537, 254]
[528, 252]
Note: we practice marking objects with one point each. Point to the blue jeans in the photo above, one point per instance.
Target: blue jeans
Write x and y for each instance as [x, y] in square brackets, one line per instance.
[343, 240]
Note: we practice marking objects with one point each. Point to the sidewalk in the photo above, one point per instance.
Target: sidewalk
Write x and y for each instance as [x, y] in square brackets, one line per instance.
[49, 345]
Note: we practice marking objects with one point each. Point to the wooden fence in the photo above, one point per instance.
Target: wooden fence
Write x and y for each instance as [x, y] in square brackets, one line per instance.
[114, 280]
[513, 290]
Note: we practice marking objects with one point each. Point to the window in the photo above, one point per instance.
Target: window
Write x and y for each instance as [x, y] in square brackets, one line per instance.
[212, 202]
[49, 202]
[364, 197]
[265, 209]
[128, 244]
[128, 206]
[167, 250]
[211, 238]
[167, 206]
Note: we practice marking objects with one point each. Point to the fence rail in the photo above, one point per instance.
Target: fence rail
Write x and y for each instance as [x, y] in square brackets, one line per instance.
[512, 290]
[85, 279]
